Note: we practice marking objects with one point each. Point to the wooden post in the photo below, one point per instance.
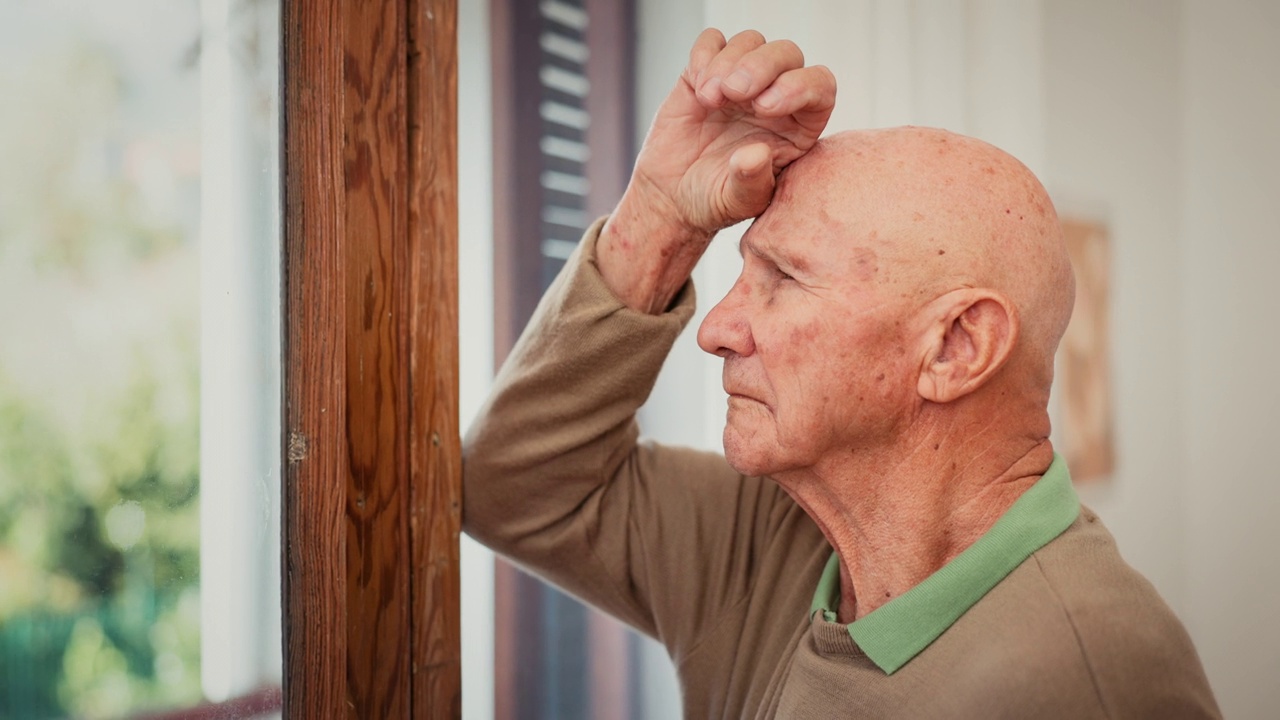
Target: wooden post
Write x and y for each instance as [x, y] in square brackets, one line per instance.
[372, 480]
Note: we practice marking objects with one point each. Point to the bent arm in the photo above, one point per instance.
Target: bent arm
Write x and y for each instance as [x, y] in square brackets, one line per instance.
[555, 479]
[552, 473]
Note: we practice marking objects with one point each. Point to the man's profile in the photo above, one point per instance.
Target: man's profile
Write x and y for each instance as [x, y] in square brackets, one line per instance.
[889, 532]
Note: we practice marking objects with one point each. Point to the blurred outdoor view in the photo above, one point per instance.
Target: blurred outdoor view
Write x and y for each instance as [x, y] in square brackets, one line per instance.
[138, 355]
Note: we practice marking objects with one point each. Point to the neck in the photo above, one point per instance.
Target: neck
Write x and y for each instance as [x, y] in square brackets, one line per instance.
[896, 516]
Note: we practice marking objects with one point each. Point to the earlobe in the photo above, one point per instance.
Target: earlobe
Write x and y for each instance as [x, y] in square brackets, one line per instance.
[973, 338]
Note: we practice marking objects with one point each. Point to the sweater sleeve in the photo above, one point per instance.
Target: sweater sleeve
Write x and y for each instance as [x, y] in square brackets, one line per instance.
[554, 478]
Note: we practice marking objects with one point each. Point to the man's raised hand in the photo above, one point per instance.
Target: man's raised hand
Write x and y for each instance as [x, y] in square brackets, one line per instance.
[742, 110]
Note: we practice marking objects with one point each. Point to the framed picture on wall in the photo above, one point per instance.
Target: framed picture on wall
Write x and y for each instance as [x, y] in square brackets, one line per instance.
[1085, 356]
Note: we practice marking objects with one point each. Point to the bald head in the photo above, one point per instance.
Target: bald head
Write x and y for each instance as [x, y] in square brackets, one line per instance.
[925, 211]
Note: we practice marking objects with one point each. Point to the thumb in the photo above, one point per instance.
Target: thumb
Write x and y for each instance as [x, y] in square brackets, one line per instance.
[749, 186]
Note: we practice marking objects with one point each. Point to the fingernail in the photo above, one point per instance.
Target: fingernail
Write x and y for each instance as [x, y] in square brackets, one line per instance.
[739, 82]
[769, 98]
[711, 90]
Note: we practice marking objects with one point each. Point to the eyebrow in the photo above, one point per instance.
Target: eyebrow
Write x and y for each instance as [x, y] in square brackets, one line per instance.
[777, 256]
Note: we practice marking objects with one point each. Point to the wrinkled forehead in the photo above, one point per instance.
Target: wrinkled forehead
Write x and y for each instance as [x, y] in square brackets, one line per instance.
[910, 207]
[910, 183]
[819, 202]
[805, 232]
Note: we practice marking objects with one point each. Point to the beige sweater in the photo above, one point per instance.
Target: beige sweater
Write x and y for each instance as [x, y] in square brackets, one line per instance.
[722, 569]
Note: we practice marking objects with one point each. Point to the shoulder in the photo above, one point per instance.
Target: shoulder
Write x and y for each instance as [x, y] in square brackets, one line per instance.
[1137, 655]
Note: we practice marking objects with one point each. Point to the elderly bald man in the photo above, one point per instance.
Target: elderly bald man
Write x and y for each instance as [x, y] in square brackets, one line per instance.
[889, 532]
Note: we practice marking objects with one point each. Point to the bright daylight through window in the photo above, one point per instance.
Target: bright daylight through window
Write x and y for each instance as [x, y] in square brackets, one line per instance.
[139, 366]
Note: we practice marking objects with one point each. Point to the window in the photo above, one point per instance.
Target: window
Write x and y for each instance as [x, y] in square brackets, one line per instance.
[139, 377]
[144, 469]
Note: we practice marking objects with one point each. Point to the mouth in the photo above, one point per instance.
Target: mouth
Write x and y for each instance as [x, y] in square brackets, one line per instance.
[738, 398]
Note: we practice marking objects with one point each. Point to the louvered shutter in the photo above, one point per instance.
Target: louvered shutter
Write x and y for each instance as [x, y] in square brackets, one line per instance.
[563, 148]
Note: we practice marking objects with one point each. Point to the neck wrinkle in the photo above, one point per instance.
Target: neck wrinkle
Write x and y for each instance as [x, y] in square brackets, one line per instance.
[894, 519]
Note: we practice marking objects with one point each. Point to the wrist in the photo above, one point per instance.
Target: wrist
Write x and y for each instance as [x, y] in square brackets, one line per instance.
[644, 256]
[645, 223]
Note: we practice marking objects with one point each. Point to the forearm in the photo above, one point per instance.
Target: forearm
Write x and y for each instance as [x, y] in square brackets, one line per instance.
[560, 418]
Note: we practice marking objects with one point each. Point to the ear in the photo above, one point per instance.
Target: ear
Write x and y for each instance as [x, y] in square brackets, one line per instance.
[973, 337]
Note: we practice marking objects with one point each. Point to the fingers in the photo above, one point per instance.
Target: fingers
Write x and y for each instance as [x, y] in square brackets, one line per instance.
[709, 44]
[741, 67]
[759, 68]
[807, 93]
[724, 63]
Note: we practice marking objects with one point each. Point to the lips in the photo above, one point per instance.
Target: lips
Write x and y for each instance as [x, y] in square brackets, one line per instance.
[737, 382]
[739, 397]
[737, 389]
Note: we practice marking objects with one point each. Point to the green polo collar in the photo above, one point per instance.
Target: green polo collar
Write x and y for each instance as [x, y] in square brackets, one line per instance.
[898, 630]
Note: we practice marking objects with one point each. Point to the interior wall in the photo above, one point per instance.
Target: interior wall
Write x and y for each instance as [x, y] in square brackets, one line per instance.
[475, 328]
[1231, 252]
[1161, 122]
[1113, 154]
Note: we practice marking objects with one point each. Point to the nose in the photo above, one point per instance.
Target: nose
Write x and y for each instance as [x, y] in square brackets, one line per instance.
[726, 330]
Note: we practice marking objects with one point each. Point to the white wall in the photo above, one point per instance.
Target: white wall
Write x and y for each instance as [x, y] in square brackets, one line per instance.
[1162, 121]
[475, 327]
[1113, 153]
[1231, 254]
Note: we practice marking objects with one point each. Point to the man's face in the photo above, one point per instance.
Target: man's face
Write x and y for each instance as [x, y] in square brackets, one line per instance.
[814, 339]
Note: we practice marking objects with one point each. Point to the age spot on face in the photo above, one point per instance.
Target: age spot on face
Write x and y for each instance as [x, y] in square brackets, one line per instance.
[865, 263]
[803, 336]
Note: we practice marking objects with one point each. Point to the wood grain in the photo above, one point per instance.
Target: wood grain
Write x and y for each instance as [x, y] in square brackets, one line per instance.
[314, 572]
[373, 494]
[375, 252]
[436, 451]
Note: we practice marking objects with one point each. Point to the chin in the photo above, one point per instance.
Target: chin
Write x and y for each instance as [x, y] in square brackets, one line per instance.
[744, 457]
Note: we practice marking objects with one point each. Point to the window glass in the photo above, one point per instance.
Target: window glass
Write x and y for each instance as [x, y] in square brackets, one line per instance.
[139, 358]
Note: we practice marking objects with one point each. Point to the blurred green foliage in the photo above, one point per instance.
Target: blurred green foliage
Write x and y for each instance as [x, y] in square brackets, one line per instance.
[99, 468]
[95, 622]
